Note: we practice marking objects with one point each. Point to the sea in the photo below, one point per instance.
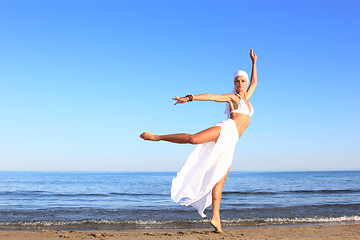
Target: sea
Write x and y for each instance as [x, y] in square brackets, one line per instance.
[141, 200]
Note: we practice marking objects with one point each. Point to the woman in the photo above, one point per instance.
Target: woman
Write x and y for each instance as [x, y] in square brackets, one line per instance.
[201, 179]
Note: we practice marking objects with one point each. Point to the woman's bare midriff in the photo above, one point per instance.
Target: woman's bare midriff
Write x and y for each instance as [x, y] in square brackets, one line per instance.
[242, 121]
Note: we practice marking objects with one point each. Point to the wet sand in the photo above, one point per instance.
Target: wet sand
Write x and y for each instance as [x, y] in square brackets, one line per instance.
[328, 232]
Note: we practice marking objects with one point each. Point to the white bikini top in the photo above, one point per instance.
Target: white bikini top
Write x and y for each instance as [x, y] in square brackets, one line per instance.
[243, 107]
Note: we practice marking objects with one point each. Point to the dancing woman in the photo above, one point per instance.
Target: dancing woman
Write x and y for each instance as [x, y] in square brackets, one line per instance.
[201, 179]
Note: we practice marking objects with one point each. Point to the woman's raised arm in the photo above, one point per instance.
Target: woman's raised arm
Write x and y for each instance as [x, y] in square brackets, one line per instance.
[253, 81]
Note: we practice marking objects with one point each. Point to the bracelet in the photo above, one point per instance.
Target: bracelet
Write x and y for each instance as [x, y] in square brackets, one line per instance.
[190, 97]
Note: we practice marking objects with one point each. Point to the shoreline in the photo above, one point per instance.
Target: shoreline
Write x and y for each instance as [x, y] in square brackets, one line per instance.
[71, 227]
[326, 231]
[168, 224]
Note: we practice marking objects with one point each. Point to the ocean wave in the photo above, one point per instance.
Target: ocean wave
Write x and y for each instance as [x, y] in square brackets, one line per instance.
[142, 224]
[49, 194]
[247, 193]
[139, 194]
[325, 191]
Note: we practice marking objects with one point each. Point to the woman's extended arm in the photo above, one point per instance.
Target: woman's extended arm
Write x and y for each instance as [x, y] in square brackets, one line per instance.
[205, 97]
[253, 81]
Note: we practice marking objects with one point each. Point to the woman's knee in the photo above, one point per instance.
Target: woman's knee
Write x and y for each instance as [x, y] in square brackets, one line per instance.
[216, 198]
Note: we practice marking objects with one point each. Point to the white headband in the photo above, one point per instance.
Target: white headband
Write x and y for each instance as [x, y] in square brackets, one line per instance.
[241, 73]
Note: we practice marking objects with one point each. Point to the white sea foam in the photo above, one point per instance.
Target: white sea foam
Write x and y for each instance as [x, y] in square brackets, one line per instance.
[316, 219]
[183, 223]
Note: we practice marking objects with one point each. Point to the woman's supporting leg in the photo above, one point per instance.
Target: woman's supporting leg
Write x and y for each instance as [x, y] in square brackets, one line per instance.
[208, 135]
[216, 199]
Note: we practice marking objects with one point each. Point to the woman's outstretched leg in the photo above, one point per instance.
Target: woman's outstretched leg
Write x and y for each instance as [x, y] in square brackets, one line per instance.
[216, 199]
[208, 135]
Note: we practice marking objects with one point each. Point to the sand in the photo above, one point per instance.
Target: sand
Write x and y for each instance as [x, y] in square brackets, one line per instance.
[328, 232]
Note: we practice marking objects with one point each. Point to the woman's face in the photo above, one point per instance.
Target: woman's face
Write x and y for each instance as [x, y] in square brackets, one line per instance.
[240, 84]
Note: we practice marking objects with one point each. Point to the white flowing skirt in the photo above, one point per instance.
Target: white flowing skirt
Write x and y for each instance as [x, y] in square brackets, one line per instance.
[205, 167]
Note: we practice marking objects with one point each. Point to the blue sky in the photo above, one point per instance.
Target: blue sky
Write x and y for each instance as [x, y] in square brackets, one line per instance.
[80, 80]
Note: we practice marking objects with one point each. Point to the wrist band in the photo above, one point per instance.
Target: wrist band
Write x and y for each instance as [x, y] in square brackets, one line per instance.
[190, 97]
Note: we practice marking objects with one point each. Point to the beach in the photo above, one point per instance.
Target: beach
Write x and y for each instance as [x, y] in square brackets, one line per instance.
[328, 232]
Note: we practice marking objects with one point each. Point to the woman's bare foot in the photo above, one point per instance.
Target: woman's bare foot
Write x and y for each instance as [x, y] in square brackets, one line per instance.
[217, 225]
[149, 136]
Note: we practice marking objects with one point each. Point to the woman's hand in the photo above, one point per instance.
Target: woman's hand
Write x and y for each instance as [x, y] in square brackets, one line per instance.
[231, 106]
[253, 56]
[180, 100]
